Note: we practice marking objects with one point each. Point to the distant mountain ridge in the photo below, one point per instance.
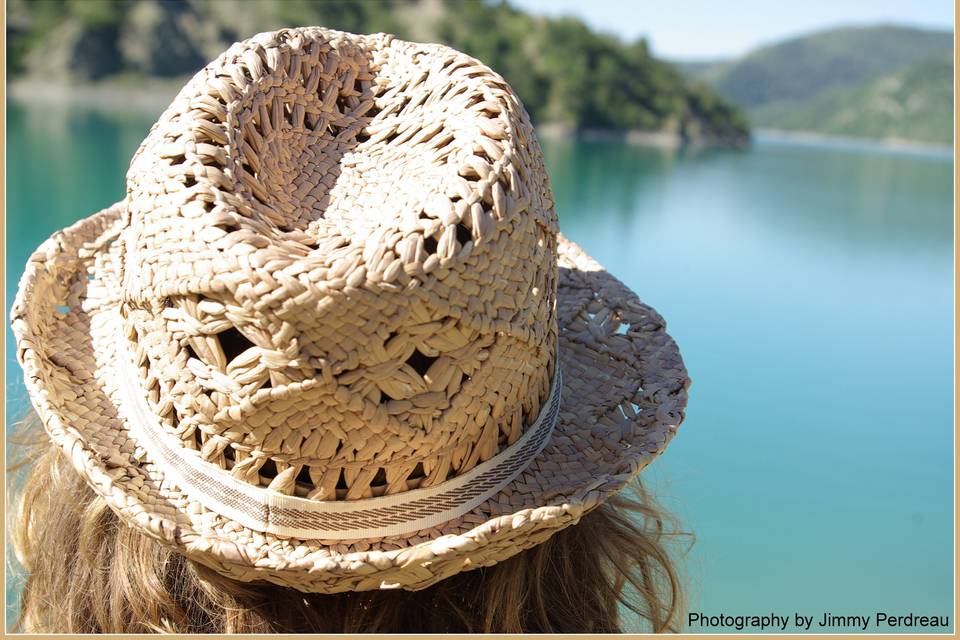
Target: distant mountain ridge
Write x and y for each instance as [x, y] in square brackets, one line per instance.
[885, 82]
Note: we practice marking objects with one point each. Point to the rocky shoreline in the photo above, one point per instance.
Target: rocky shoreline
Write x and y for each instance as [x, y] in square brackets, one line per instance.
[147, 97]
[820, 139]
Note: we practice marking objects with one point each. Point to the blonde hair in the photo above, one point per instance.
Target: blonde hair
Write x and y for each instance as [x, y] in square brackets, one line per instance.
[89, 573]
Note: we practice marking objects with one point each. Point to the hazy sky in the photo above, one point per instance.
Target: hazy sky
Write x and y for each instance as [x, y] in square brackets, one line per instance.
[701, 29]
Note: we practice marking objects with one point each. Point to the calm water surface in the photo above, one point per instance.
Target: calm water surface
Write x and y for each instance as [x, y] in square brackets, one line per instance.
[810, 291]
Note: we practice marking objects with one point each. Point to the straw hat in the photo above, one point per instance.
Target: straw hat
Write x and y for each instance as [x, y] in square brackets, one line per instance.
[332, 338]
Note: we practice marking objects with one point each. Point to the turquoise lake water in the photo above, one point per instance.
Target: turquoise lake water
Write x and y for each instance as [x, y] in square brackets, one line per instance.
[810, 290]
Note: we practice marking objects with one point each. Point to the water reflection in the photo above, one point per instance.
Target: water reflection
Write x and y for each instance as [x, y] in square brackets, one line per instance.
[64, 164]
[594, 178]
[860, 200]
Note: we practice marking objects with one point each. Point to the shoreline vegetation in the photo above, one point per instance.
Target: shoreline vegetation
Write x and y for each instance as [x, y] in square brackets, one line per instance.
[136, 54]
[813, 138]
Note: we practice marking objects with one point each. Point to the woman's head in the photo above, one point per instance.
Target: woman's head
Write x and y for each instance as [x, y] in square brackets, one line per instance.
[332, 340]
[88, 572]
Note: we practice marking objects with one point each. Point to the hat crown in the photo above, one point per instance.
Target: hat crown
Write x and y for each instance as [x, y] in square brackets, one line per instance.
[339, 264]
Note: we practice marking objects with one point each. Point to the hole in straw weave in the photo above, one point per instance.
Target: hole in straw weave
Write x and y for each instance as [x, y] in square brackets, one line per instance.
[304, 477]
[417, 472]
[415, 479]
[463, 234]
[268, 471]
[430, 244]
[629, 415]
[380, 479]
[233, 343]
[420, 362]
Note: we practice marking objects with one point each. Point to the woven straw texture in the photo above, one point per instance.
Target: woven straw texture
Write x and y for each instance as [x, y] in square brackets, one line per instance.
[339, 275]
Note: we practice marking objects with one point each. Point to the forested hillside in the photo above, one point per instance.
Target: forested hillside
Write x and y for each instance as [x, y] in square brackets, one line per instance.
[566, 74]
[886, 82]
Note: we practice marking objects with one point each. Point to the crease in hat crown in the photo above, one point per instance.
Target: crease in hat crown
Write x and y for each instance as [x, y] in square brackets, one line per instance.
[338, 266]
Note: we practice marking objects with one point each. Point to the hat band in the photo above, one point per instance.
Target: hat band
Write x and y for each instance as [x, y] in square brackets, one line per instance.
[269, 511]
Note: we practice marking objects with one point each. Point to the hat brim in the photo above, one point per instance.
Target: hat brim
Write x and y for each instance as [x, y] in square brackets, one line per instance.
[623, 398]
